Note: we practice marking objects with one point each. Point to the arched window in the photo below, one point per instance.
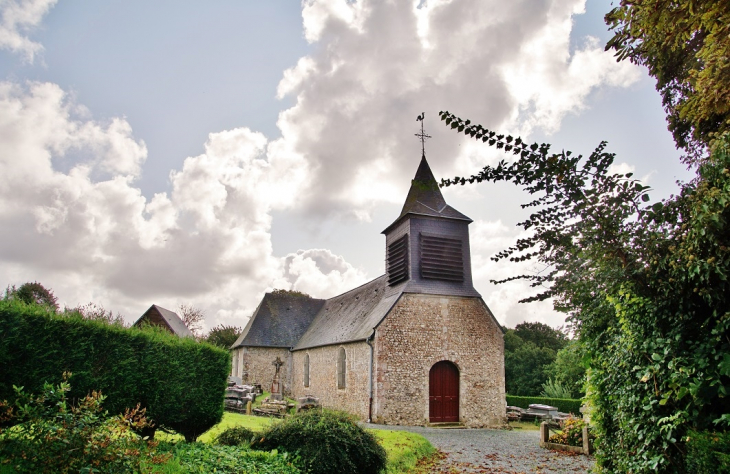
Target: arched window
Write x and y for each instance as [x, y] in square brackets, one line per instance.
[341, 368]
[306, 370]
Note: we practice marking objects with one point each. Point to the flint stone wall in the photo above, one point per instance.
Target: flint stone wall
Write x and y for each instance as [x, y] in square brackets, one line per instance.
[255, 365]
[354, 398]
[422, 330]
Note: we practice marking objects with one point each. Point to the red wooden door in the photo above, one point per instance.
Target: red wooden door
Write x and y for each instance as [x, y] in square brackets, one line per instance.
[443, 393]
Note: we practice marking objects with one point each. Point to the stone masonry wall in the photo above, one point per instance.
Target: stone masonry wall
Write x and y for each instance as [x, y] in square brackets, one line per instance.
[255, 364]
[422, 330]
[354, 398]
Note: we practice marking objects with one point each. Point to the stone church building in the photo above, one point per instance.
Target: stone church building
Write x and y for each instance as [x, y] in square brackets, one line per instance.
[415, 346]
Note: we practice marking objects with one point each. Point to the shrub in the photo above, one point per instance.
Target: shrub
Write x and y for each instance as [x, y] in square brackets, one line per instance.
[325, 442]
[565, 405]
[554, 389]
[180, 382]
[708, 453]
[235, 436]
[52, 435]
[571, 432]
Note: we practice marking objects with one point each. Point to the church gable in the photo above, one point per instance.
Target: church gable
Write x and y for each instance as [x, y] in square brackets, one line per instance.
[423, 331]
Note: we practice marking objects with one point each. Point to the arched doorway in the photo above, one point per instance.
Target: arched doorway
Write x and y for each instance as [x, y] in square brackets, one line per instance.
[443, 393]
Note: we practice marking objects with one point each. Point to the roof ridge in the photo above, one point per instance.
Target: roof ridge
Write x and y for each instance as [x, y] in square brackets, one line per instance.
[356, 288]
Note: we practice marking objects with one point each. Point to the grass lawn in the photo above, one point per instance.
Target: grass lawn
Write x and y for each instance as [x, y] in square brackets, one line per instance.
[255, 423]
[404, 449]
[524, 425]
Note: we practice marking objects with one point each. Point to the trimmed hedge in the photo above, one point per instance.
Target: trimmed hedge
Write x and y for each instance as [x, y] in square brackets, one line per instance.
[566, 405]
[179, 381]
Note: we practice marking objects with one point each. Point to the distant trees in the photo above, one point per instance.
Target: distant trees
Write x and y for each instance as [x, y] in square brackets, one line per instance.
[96, 312]
[535, 355]
[192, 317]
[223, 336]
[32, 293]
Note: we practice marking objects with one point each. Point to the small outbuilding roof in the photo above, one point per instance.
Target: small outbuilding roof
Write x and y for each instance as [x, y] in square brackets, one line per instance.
[159, 316]
[280, 320]
[351, 316]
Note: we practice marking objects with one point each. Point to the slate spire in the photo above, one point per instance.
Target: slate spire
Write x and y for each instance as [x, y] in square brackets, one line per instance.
[424, 191]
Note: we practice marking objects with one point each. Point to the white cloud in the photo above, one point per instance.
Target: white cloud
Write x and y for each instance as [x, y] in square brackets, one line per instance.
[376, 65]
[91, 235]
[17, 18]
[320, 273]
[346, 145]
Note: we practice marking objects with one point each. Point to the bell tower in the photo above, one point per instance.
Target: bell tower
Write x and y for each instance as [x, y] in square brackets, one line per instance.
[427, 246]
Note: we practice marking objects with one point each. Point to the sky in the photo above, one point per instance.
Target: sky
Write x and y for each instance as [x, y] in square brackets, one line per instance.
[204, 153]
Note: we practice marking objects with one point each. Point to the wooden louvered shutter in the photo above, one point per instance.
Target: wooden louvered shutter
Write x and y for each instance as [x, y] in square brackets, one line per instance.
[398, 261]
[442, 258]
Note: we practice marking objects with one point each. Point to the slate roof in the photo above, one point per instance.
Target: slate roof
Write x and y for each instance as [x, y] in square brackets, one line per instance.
[173, 321]
[279, 321]
[425, 198]
[351, 316]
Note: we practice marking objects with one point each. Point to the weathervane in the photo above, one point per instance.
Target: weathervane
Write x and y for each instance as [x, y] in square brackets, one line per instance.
[422, 135]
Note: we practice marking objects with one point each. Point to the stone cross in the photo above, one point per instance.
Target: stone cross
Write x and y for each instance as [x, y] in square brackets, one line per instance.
[276, 384]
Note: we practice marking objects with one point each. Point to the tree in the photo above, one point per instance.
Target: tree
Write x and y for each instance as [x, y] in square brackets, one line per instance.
[568, 369]
[33, 293]
[685, 46]
[192, 317]
[529, 353]
[644, 286]
[525, 366]
[95, 312]
[223, 336]
[541, 335]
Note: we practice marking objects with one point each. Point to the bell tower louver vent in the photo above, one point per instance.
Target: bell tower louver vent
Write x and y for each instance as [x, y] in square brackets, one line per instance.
[441, 258]
[398, 261]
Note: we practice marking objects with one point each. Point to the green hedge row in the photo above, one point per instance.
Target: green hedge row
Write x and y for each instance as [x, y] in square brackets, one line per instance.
[179, 381]
[566, 405]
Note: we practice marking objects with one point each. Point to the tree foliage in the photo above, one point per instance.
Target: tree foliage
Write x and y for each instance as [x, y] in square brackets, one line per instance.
[192, 317]
[644, 285]
[53, 434]
[685, 45]
[223, 336]
[33, 293]
[541, 335]
[569, 369]
[95, 312]
[530, 350]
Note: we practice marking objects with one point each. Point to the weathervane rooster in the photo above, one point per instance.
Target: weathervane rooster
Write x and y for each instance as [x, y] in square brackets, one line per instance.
[422, 135]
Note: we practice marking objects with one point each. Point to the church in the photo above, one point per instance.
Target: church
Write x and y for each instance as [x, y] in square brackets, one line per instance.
[415, 346]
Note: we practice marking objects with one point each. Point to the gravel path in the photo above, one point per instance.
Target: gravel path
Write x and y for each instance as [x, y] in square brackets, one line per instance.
[496, 451]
